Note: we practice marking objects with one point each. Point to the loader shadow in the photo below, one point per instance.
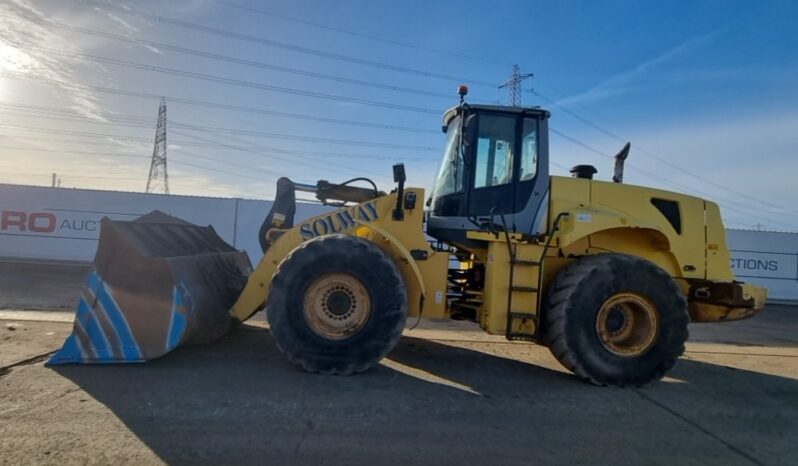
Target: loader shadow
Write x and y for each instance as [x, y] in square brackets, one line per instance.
[775, 326]
[239, 401]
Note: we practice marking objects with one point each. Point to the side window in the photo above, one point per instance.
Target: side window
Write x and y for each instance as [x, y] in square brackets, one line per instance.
[494, 159]
[529, 150]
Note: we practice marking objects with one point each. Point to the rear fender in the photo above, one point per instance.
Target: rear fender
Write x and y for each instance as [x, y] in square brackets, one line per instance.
[592, 231]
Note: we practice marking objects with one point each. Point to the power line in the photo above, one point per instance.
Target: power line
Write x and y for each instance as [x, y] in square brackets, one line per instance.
[360, 34]
[116, 188]
[75, 152]
[728, 204]
[236, 60]
[254, 150]
[643, 172]
[75, 133]
[207, 104]
[48, 175]
[657, 157]
[172, 159]
[227, 172]
[290, 137]
[103, 177]
[340, 155]
[258, 150]
[228, 81]
[232, 131]
[285, 46]
[248, 167]
[54, 113]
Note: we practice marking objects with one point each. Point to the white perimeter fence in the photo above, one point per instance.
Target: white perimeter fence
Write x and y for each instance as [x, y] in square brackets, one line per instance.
[63, 224]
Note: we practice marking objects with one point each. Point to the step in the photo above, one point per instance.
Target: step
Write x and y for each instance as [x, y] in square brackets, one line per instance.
[521, 337]
[467, 305]
[525, 262]
[526, 289]
[524, 315]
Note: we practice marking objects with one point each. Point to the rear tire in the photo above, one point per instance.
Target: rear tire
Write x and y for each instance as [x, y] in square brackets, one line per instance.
[337, 305]
[615, 319]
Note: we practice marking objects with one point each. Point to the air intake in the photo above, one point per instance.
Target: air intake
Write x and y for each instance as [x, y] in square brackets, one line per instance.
[584, 171]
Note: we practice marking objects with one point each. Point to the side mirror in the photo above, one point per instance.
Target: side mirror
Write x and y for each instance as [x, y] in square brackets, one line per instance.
[399, 173]
[399, 178]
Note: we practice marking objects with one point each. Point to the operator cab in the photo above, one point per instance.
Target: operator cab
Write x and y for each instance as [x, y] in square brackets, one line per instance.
[495, 163]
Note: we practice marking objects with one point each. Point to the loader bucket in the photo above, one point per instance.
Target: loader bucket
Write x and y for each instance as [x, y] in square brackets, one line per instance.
[158, 282]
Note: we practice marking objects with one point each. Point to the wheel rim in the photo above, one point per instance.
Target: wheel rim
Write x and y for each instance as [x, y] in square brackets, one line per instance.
[337, 306]
[627, 324]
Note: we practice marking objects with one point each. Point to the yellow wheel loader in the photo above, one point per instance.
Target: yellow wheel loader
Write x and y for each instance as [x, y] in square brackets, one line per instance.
[606, 275]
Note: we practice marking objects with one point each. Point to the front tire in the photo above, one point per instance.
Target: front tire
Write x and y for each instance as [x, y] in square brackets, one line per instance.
[615, 319]
[337, 305]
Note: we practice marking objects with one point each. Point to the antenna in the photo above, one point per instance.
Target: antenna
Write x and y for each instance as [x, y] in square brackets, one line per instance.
[158, 181]
[513, 85]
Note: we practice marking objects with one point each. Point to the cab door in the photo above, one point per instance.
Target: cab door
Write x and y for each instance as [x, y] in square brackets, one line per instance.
[492, 181]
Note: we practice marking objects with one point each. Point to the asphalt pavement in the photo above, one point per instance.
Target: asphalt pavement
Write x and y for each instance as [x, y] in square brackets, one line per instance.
[447, 394]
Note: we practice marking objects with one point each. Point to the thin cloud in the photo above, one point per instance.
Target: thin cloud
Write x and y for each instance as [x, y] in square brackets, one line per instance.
[21, 24]
[24, 39]
[130, 146]
[623, 83]
[129, 27]
[757, 152]
[152, 49]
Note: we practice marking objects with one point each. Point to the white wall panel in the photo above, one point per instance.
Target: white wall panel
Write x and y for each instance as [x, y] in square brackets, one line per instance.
[768, 259]
[63, 224]
[58, 223]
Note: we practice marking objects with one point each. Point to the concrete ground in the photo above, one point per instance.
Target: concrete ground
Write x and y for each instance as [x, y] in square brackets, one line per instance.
[448, 393]
[41, 284]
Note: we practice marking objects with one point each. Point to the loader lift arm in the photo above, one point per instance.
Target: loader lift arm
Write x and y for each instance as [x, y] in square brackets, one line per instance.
[281, 215]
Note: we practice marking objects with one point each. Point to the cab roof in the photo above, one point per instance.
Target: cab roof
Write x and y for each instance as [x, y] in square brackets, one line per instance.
[533, 111]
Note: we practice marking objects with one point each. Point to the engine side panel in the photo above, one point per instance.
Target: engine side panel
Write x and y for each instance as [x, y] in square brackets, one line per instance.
[622, 218]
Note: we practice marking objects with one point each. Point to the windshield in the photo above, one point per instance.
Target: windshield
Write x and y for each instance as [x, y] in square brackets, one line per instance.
[450, 175]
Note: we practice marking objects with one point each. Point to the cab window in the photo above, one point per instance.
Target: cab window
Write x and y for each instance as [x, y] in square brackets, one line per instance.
[494, 152]
[529, 150]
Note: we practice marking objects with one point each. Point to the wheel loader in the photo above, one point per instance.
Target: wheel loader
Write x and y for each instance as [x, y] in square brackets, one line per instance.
[605, 274]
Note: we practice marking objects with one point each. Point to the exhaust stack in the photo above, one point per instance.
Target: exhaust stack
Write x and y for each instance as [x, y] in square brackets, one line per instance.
[620, 158]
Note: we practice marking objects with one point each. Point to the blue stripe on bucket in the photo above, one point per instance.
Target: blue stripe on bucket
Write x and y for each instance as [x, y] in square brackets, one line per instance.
[68, 354]
[130, 348]
[82, 317]
[97, 312]
[71, 351]
[178, 323]
[99, 341]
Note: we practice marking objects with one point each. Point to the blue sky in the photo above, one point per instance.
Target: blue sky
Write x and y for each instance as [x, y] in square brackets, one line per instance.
[705, 91]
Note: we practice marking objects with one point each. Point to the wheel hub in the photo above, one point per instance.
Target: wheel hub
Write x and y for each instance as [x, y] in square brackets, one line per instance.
[616, 321]
[627, 324]
[337, 306]
[339, 303]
